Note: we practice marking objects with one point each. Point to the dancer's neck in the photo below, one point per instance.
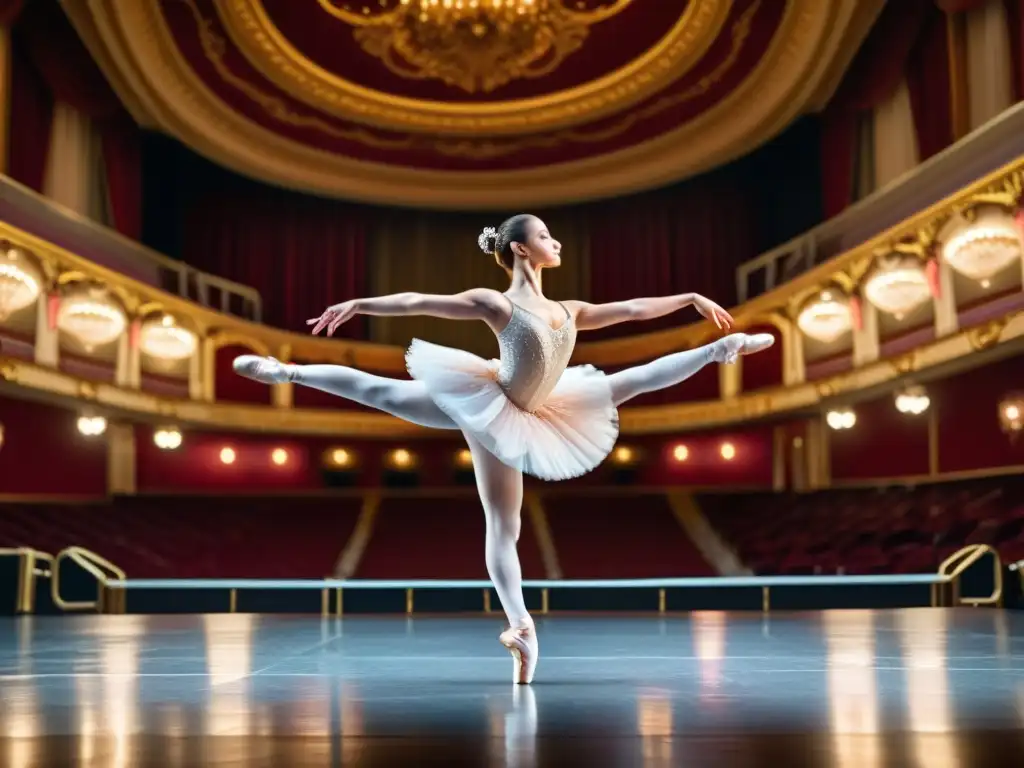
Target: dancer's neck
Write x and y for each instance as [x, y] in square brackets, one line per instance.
[526, 279]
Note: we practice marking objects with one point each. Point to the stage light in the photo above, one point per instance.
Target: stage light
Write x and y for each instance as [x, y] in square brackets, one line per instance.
[92, 426]
[1011, 413]
[728, 451]
[279, 456]
[167, 439]
[464, 458]
[623, 455]
[843, 419]
[227, 455]
[680, 453]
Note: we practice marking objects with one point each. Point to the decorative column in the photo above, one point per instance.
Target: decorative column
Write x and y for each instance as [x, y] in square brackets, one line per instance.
[946, 320]
[195, 374]
[866, 341]
[208, 370]
[128, 370]
[819, 469]
[121, 477]
[730, 379]
[794, 369]
[780, 451]
[47, 347]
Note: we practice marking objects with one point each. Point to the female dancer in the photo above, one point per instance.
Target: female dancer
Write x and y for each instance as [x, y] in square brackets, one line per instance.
[526, 412]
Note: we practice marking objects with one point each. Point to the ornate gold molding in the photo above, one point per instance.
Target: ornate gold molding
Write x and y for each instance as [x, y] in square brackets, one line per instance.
[681, 417]
[281, 63]
[767, 100]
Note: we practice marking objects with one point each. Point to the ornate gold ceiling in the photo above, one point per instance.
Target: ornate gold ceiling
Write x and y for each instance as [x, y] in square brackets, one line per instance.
[472, 103]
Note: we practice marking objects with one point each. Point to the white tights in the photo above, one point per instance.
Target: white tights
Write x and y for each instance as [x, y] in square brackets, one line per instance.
[500, 486]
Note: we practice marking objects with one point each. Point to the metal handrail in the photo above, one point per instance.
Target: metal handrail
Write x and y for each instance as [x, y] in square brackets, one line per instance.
[957, 564]
[95, 565]
[24, 598]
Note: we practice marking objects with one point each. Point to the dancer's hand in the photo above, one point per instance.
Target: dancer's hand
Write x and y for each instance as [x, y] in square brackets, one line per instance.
[333, 317]
[713, 312]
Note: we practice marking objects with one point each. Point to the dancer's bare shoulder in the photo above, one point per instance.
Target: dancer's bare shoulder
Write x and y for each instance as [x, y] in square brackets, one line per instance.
[493, 306]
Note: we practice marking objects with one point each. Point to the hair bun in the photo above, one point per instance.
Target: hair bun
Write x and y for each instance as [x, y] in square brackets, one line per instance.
[488, 240]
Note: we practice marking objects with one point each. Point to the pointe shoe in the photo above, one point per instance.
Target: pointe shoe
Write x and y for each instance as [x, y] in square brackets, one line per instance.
[266, 370]
[734, 345]
[522, 644]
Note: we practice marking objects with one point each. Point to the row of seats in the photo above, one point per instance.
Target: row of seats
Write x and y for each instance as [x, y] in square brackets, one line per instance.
[609, 535]
[302, 537]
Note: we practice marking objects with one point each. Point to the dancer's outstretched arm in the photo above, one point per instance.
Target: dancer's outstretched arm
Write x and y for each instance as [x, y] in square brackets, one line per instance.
[592, 316]
[474, 304]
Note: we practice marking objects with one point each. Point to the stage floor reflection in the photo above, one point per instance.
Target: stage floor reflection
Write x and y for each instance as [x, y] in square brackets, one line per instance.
[927, 687]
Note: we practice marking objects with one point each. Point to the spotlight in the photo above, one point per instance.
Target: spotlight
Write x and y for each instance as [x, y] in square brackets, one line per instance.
[680, 453]
[728, 451]
[1011, 413]
[92, 426]
[167, 439]
[279, 456]
[464, 458]
[844, 419]
[227, 455]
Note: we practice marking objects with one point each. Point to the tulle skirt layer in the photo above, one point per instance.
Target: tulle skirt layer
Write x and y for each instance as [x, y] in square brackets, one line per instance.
[569, 435]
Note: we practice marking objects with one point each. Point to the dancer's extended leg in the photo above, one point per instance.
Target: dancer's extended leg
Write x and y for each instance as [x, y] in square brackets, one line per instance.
[501, 493]
[407, 400]
[671, 369]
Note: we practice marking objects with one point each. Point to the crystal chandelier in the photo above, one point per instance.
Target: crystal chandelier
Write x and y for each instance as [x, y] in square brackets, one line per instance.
[474, 45]
[898, 286]
[913, 401]
[826, 317]
[20, 281]
[164, 339]
[89, 315]
[982, 248]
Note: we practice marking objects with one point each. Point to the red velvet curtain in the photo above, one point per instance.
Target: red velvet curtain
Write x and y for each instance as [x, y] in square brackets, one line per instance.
[688, 238]
[301, 253]
[929, 84]
[52, 64]
[1015, 19]
[873, 76]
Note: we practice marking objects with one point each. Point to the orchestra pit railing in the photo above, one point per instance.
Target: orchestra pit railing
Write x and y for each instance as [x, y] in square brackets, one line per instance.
[656, 595]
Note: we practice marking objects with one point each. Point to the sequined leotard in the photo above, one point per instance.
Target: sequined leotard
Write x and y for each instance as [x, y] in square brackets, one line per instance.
[529, 409]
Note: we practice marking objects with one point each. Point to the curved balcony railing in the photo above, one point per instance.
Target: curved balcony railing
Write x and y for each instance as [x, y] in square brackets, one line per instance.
[60, 226]
[998, 142]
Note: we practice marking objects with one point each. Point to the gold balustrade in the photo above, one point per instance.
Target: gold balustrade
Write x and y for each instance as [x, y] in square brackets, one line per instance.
[778, 308]
[957, 564]
[107, 600]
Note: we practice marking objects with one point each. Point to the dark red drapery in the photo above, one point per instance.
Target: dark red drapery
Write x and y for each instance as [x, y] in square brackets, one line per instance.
[301, 253]
[928, 80]
[52, 64]
[688, 238]
[1015, 20]
[873, 76]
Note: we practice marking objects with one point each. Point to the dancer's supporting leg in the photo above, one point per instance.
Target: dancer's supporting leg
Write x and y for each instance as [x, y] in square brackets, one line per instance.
[501, 493]
[405, 399]
[671, 369]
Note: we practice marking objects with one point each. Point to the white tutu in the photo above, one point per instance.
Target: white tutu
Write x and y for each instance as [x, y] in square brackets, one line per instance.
[570, 434]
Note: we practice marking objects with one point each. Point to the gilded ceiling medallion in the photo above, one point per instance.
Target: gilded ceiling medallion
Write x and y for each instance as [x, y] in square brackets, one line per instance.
[474, 45]
[278, 59]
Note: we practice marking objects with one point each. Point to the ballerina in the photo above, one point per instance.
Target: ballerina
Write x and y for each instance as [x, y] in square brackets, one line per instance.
[527, 412]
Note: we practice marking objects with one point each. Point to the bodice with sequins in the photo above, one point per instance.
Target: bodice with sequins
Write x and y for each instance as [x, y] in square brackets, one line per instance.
[533, 356]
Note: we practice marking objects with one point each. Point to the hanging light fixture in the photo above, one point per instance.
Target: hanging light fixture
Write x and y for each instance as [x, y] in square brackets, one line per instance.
[1011, 413]
[163, 338]
[91, 316]
[897, 286]
[913, 401]
[841, 419]
[20, 281]
[981, 248]
[826, 317]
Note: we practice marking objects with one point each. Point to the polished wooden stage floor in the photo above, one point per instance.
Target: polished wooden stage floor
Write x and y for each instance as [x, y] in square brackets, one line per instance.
[924, 687]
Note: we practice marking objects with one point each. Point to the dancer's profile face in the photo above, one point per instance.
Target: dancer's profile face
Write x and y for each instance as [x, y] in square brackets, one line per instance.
[540, 247]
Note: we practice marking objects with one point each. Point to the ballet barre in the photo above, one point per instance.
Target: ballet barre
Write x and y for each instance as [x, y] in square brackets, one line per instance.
[333, 590]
